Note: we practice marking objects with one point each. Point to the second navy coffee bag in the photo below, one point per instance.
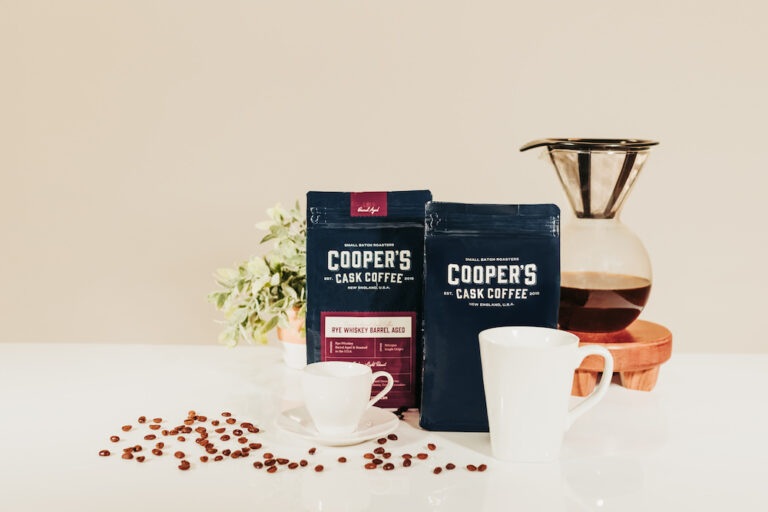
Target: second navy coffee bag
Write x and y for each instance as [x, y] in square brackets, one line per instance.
[485, 266]
[365, 257]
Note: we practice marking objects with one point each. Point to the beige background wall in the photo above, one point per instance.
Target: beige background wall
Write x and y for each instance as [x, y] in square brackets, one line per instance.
[141, 140]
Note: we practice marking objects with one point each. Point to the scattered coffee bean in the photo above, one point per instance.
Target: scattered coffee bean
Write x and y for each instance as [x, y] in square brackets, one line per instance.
[188, 422]
[471, 467]
[126, 428]
[381, 440]
[231, 421]
[271, 469]
[192, 413]
[129, 449]
[386, 455]
[293, 465]
[450, 466]
[220, 430]
[242, 440]
[211, 451]
[226, 453]
[253, 430]
[282, 461]
[218, 458]
[407, 455]
[154, 427]
[303, 462]
[431, 446]
[482, 467]
[422, 456]
[127, 455]
[225, 437]
[270, 462]
[392, 437]
[319, 468]
[164, 432]
[370, 465]
[237, 432]
[437, 470]
[235, 454]
[203, 458]
[142, 419]
[312, 450]
[258, 465]
[158, 420]
[140, 459]
[157, 451]
[202, 418]
[379, 451]
[181, 438]
[226, 414]
[342, 459]
[268, 455]
[179, 455]
[104, 453]
[254, 446]
[187, 430]
[377, 461]
[407, 462]
[215, 423]
[184, 465]
[150, 437]
[160, 445]
[369, 456]
[137, 448]
[388, 466]
[114, 439]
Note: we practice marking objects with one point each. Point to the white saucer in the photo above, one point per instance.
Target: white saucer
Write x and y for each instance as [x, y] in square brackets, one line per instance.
[374, 423]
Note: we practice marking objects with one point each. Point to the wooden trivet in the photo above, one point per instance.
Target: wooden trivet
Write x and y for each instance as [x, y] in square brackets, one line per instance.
[638, 352]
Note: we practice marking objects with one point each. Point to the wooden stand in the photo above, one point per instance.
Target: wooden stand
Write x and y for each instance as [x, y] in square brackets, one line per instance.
[638, 352]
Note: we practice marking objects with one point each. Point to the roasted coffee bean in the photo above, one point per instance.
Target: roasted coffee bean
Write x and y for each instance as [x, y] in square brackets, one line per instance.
[254, 446]
[157, 452]
[431, 446]
[388, 466]
[128, 449]
[215, 423]
[160, 445]
[482, 467]
[154, 427]
[379, 451]
[253, 430]
[142, 419]
[225, 437]
[226, 414]
[392, 437]
[211, 451]
[422, 456]
[370, 465]
[237, 432]
[231, 421]
[192, 413]
[188, 422]
[140, 459]
[220, 430]
[203, 458]
[126, 428]
[202, 418]
[386, 455]
[381, 440]
[312, 450]
[187, 430]
[303, 463]
[271, 469]
[471, 467]
[369, 456]
[342, 459]
[235, 454]
[127, 455]
[150, 437]
[319, 468]
[218, 458]
[407, 462]
[164, 432]
[158, 420]
[104, 453]
[200, 430]
[270, 462]
[184, 465]
[226, 453]
[437, 470]
[181, 438]
[268, 455]
[293, 465]
[242, 440]
[173, 431]
[114, 439]
[258, 465]
[179, 455]
[245, 449]
[450, 466]
[377, 461]
[407, 455]
[282, 461]
[137, 448]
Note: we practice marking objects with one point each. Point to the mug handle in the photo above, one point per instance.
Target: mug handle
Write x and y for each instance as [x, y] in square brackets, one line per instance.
[381, 394]
[602, 388]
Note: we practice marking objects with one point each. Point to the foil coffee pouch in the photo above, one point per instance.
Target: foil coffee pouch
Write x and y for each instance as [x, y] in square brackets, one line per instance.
[365, 257]
[485, 266]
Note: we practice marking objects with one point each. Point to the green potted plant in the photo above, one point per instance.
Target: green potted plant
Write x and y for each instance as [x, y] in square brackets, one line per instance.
[269, 291]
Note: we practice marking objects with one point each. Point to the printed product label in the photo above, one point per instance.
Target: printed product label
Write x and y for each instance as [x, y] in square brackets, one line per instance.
[368, 204]
[382, 340]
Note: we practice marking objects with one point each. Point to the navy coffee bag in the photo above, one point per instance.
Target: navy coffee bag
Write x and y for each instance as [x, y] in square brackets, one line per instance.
[485, 266]
[365, 257]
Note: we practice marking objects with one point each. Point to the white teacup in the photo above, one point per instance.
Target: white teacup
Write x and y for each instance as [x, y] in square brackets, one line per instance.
[337, 393]
[528, 374]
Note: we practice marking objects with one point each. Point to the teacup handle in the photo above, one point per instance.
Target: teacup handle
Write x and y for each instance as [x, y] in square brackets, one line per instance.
[591, 400]
[381, 394]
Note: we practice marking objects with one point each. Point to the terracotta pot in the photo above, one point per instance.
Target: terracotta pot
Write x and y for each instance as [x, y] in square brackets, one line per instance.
[294, 343]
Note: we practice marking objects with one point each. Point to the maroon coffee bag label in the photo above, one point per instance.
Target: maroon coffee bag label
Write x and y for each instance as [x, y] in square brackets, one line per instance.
[380, 340]
[368, 204]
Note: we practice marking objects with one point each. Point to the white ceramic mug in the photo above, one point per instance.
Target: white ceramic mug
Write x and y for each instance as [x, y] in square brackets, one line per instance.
[337, 393]
[528, 374]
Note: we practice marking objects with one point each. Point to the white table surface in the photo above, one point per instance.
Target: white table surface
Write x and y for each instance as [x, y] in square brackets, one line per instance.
[697, 442]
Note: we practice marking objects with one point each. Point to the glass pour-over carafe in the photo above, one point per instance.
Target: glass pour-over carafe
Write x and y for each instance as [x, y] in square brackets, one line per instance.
[605, 269]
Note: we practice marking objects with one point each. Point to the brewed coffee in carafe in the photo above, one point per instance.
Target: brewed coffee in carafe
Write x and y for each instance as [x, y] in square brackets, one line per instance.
[605, 269]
